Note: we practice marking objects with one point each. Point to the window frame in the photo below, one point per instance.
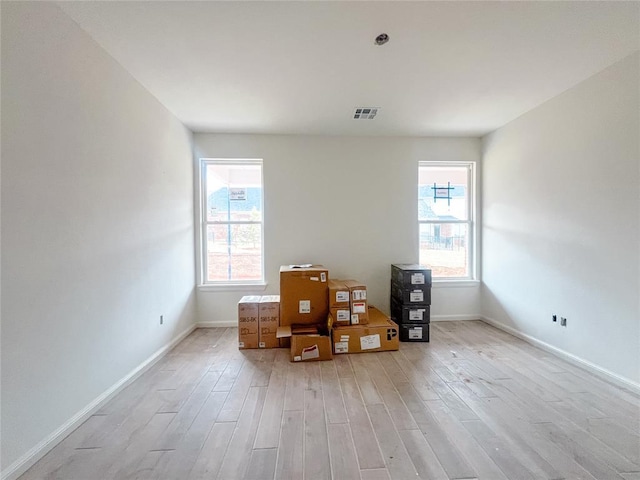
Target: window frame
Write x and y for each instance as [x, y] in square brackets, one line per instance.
[471, 221]
[203, 223]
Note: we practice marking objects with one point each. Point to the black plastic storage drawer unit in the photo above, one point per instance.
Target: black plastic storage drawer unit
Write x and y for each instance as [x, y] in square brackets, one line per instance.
[403, 313]
[410, 302]
[414, 332]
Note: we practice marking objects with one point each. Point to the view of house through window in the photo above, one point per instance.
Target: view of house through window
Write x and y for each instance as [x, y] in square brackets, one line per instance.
[232, 221]
[445, 217]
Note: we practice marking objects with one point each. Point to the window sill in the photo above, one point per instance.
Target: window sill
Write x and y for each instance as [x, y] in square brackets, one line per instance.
[231, 287]
[454, 283]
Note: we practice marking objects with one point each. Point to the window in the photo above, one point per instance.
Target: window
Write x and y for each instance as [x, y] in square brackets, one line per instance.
[231, 222]
[446, 218]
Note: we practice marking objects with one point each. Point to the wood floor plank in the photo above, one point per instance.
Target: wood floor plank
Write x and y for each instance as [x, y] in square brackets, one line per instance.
[296, 384]
[262, 464]
[290, 461]
[344, 462]
[375, 474]
[367, 449]
[190, 445]
[268, 434]
[422, 456]
[481, 464]
[234, 464]
[449, 456]
[396, 457]
[333, 402]
[368, 389]
[585, 457]
[316, 442]
[398, 411]
[209, 460]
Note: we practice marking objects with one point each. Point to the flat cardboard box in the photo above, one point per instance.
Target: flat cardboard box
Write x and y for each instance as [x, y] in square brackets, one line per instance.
[339, 295]
[304, 297]
[248, 308]
[380, 334]
[341, 315]
[309, 343]
[358, 301]
[268, 321]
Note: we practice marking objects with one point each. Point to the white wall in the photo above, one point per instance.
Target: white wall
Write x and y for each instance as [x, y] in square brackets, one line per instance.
[349, 203]
[97, 223]
[561, 233]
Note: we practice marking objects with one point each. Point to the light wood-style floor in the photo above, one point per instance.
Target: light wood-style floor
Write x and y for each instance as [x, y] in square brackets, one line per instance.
[474, 403]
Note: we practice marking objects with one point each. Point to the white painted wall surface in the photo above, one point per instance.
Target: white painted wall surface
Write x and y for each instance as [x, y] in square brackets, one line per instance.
[349, 203]
[561, 231]
[97, 223]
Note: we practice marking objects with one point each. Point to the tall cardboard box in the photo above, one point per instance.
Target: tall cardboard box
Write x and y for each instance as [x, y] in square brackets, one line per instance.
[380, 334]
[358, 301]
[248, 308]
[268, 321]
[304, 297]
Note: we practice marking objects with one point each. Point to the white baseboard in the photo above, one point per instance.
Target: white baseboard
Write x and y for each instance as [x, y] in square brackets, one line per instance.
[453, 318]
[27, 460]
[221, 324]
[569, 357]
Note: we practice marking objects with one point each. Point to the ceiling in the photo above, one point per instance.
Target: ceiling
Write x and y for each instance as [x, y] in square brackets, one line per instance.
[449, 68]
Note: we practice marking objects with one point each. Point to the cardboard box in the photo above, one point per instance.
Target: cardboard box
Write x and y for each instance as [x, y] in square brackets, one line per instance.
[304, 297]
[380, 334]
[410, 274]
[341, 316]
[268, 321]
[308, 342]
[248, 308]
[339, 295]
[358, 301]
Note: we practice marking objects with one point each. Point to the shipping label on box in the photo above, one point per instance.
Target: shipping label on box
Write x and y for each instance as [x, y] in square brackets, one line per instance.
[369, 342]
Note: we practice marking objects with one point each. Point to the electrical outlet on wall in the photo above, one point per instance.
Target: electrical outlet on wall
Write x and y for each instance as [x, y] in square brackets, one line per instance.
[563, 321]
[161, 319]
[554, 318]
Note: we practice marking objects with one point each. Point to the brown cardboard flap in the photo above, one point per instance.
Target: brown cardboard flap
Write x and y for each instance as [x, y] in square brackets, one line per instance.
[283, 332]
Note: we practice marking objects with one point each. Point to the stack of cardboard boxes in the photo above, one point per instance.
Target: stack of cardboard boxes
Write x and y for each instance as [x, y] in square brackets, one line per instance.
[411, 301]
[318, 317]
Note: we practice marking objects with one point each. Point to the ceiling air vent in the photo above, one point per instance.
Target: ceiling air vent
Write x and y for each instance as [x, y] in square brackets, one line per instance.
[365, 113]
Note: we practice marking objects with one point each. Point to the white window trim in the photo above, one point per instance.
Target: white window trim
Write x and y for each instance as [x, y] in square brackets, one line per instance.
[472, 280]
[200, 203]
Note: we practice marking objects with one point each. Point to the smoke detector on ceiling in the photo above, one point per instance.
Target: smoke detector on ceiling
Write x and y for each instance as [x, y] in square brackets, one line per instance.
[365, 113]
[381, 39]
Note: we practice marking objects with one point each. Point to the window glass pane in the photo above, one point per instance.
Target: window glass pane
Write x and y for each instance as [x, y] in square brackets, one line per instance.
[234, 192]
[443, 247]
[443, 193]
[234, 252]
